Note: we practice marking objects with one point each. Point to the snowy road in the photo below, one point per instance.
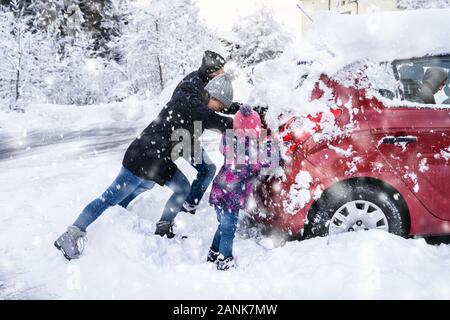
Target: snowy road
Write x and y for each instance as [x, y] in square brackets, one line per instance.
[89, 141]
[46, 179]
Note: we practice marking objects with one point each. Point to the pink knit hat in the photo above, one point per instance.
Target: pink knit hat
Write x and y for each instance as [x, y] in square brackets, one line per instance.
[247, 120]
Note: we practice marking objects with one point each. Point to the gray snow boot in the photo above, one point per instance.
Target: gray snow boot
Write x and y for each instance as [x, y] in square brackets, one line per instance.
[165, 228]
[71, 243]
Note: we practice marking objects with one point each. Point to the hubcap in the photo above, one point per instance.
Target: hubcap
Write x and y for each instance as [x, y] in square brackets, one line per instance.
[358, 215]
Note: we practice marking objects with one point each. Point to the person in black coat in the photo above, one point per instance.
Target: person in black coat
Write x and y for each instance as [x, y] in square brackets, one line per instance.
[152, 155]
[149, 160]
[195, 82]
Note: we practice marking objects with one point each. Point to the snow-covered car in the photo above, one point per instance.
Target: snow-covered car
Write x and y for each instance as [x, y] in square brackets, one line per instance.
[378, 159]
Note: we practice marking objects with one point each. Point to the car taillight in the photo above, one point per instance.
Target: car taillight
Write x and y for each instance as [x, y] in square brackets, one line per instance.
[293, 140]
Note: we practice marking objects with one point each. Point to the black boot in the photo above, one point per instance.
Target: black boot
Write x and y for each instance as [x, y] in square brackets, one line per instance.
[190, 208]
[212, 256]
[165, 228]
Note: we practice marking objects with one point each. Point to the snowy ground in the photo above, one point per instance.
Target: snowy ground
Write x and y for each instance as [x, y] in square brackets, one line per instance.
[46, 178]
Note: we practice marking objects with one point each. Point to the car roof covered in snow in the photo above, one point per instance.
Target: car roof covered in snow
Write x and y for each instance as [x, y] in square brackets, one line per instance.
[383, 36]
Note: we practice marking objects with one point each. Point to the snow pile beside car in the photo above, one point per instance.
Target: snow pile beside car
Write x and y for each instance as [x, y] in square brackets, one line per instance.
[279, 84]
[299, 193]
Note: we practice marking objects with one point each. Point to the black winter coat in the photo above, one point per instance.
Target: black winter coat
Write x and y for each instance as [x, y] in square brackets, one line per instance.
[150, 155]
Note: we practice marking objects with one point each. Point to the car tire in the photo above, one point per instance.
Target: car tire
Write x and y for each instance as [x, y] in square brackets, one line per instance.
[437, 240]
[385, 205]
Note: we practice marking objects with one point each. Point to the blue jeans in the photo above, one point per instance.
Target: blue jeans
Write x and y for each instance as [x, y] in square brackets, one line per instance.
[223, 238]
[206, 171]
[126, 187]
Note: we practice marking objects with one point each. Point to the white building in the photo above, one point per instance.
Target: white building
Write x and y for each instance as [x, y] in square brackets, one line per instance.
[346, 7]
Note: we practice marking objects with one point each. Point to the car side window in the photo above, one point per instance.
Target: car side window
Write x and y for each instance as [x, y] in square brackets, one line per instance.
[411, 76]
[424, 80]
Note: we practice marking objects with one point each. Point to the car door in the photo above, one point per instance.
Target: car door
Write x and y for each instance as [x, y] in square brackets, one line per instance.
[415, 142]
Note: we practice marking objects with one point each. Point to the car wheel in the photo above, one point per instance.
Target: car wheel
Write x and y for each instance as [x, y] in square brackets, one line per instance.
[356, 206]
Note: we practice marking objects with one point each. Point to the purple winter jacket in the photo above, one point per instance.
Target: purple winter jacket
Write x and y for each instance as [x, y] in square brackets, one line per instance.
[234, 183]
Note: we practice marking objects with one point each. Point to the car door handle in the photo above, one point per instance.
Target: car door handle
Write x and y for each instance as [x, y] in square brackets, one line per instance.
[399, 139]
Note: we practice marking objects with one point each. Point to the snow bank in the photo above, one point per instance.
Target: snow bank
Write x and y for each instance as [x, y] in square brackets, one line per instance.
[125, 260]
[133, 112]
[59, 117]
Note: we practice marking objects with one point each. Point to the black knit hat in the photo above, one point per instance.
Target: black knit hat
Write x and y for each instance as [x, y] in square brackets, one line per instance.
[211, 62]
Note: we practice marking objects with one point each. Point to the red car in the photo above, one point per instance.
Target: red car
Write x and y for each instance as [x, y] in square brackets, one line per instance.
[385, 167]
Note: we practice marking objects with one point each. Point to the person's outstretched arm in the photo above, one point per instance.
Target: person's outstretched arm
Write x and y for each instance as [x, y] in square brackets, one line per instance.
[210, 119]
[213, 120]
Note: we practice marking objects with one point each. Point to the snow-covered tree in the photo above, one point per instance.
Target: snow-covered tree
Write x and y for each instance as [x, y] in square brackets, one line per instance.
[163, 40]
[23, 52]
[96, 51]
[257, 38]
[79, 77]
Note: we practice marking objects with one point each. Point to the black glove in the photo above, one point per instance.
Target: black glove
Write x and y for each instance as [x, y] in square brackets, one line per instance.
[232, 109]
[262, 110]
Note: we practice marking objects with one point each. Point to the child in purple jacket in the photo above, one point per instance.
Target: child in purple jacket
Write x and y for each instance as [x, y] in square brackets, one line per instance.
[234, 182]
